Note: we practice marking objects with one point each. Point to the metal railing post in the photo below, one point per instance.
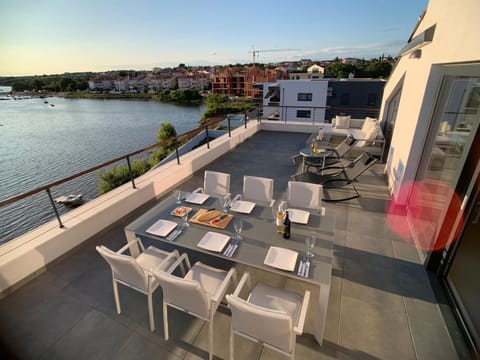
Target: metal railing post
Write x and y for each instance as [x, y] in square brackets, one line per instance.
[176, 150]
[54, 207]
[130, 173]
[206, 136]
[229, 127]
[245, 119]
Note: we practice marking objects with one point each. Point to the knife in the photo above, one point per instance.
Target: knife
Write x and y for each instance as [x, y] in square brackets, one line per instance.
[175, 233]
[218, 219]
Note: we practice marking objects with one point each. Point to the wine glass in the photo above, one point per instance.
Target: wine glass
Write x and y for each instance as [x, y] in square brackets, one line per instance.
[185, 218]
[226, 203]
[310, 242]
[238, 227]
[274, 211]
[178, 196]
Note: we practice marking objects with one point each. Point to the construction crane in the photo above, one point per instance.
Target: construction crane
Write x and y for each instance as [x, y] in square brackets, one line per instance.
[254, 52]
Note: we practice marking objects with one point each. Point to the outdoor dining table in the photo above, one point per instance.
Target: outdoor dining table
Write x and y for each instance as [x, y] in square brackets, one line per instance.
[258, 235]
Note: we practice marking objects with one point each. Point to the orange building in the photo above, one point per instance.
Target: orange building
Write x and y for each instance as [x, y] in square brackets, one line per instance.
[238, 81]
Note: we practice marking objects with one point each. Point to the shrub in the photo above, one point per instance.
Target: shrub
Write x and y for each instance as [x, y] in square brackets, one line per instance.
[119, 175]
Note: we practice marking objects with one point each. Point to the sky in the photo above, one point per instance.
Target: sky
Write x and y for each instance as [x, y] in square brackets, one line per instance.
[57, 36]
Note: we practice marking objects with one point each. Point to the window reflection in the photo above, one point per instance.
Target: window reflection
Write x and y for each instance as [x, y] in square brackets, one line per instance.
[454, 125]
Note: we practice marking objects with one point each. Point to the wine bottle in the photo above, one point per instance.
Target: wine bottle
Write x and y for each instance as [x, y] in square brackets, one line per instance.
[286, 227]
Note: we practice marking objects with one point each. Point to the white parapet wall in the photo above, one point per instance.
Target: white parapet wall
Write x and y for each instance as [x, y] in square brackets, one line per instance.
[30, 253]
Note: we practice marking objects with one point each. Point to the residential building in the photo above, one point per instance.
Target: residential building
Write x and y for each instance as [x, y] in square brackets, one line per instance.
[238, 81]
[431, 116]
[302, 100]
[430, 113]
[101, 84]
[313, 72]
[328, 97]
[356, 97]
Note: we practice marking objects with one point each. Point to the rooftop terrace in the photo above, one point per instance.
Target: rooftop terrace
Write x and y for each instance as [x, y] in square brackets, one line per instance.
[383, 304]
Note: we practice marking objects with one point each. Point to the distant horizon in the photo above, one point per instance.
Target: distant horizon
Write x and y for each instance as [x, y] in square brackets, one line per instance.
[189, 65]
[56, 36]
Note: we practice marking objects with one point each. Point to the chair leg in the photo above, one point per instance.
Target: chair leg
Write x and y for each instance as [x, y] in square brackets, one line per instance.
[116, 297]
[165, 321]
[150, 312]
[232, 347]
[210, 339]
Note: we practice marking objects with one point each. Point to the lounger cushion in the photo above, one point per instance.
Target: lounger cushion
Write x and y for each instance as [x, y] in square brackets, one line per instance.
[342, 122]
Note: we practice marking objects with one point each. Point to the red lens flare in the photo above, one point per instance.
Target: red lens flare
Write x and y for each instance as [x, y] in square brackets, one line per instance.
[427, 220]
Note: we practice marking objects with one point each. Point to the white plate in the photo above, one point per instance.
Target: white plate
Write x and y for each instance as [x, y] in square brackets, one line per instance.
[196, 198]
[162, 228]
[241, 206]
[298, 216]
[281, 258]
[213, 241]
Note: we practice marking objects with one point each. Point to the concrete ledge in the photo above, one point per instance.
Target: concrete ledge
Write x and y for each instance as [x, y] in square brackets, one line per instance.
[26, 255]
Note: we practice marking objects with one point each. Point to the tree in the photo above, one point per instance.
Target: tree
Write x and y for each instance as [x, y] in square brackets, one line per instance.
[213, 99]
[36, 84]
[167, 131]
[379, 69]
[339, 70]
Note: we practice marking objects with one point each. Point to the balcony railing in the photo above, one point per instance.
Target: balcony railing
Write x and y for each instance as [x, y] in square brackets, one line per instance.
[320, 113]
[23, 199]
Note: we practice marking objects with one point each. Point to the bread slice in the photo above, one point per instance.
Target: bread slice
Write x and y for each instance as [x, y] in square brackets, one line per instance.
[210, 215]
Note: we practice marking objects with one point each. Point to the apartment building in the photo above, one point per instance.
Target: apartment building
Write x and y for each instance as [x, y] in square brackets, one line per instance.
[313, 72]
[319, 100]
[239, 81]
[431, 113]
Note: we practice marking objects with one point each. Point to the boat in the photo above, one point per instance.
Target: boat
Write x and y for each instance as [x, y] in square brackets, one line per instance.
[70, 200]
[52, 105]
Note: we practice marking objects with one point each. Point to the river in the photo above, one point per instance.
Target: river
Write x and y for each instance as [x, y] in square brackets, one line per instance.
[44, 140]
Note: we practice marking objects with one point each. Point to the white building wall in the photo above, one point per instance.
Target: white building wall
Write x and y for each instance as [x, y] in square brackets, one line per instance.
[289, 106]
[455, 41]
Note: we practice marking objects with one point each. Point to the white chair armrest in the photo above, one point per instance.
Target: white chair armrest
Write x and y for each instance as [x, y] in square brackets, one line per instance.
[127, 246]
[177, 262]
[245, 279]
[303, 313]
[223, 287]
[198, 190]
[173, 255]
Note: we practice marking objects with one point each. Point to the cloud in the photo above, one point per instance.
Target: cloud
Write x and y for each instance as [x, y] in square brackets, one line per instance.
[360, 51]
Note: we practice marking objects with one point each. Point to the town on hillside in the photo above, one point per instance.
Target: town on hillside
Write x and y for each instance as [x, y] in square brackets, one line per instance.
[235, 81]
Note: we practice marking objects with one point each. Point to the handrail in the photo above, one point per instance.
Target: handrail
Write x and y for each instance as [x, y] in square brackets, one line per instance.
[96, 167]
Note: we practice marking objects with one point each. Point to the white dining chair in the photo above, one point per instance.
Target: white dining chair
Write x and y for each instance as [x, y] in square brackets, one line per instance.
[136, 272]
[305, 195]
[198, 293]
[271, 316]
[258, 189]
[215, 183]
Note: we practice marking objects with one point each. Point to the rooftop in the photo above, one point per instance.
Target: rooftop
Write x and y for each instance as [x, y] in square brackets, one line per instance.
[383, 304]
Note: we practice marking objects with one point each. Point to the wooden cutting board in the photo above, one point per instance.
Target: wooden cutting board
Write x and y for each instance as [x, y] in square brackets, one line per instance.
[205, 217]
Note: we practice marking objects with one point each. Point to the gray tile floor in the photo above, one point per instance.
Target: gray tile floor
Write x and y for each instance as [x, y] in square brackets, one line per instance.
[382, 302]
